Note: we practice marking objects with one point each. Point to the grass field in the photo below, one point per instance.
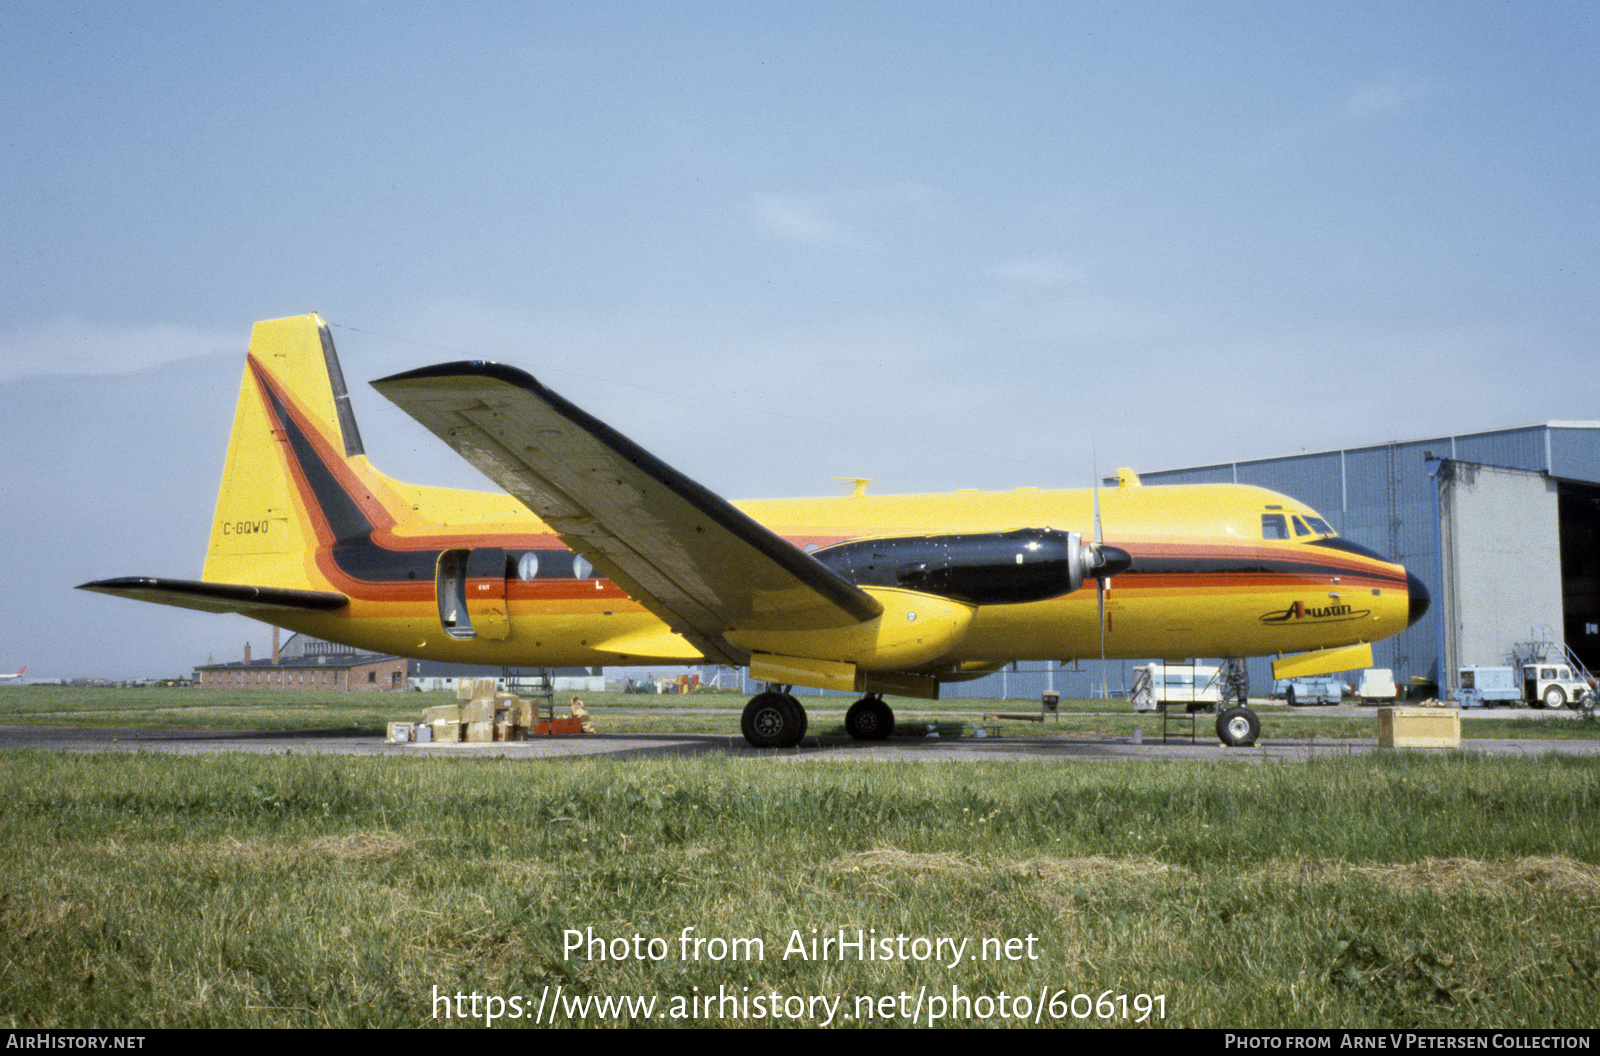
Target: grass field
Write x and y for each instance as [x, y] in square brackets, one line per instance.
[1392, 890]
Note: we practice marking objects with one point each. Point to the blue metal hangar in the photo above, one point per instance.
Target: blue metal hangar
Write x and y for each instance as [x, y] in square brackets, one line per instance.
[1503, 527]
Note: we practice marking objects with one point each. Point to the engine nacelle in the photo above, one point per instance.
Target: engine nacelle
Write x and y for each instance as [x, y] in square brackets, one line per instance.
[992, 568]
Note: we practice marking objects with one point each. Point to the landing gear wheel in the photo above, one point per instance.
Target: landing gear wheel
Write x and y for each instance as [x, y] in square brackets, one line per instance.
[869, 719]
[1555, 697]
[773, 720]
[1238, 727]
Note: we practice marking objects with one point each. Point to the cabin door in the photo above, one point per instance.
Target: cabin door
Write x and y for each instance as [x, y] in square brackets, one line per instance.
[471, 588]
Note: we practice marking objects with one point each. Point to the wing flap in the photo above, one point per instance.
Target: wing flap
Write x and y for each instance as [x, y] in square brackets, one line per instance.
[692, 558]
[218, 597]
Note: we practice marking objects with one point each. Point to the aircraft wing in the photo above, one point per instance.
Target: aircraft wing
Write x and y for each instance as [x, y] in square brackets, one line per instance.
[259, 602]
[687, 555]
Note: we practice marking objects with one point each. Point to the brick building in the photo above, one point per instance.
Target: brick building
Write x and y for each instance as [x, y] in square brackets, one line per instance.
[304, 662]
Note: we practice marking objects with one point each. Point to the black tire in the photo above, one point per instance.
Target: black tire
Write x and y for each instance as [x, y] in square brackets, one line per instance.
[869, 719]
[1555, 697]
[798, 715]
[773, 720]
[1238, 727]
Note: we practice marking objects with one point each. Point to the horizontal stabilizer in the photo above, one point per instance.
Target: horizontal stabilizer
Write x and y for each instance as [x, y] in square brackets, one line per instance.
[218, 597]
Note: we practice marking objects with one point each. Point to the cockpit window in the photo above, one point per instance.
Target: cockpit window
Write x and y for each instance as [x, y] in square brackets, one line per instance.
[1319, 526]
[1300, 527]
[1274, 526]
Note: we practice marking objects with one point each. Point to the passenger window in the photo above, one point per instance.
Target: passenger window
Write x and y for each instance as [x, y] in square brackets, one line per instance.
[1274, 526]
[528, 566]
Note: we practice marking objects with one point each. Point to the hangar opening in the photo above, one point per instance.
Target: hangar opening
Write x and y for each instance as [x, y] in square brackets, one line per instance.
[1579, 506]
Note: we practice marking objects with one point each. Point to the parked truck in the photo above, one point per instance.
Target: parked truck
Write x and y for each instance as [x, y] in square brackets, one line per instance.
[1538, 685]
[1377, 686]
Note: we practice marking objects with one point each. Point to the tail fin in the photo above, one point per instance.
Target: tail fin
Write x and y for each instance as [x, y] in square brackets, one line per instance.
[293, 481]
[295, 487]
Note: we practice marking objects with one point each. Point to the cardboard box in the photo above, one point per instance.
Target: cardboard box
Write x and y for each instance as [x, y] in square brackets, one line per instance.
[479, 732]
[446, 731]
[1419, 727]
[478, 709]
[399, 732]
[472, 688]
[447, 712]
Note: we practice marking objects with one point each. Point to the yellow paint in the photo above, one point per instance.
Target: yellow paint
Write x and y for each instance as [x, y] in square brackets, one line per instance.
[265, 534]
[1323, 662]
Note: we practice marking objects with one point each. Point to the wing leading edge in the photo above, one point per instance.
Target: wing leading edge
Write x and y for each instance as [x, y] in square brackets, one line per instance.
[690, 557]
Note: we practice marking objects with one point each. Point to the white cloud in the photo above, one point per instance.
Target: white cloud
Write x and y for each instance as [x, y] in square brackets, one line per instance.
[73, 346]
[1036, 271]
[1399, 90]
[806, 220]
[839, 219]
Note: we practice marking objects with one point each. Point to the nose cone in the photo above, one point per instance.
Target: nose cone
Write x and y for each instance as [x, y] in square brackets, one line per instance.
[1419, 598]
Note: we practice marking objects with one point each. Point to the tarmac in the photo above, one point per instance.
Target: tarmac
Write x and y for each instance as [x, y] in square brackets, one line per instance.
[1063, 748]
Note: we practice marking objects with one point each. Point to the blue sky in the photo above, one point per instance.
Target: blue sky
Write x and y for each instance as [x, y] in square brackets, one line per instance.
[940, 245]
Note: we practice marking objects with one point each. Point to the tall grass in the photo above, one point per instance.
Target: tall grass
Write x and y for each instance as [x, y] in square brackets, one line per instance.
[287, 891]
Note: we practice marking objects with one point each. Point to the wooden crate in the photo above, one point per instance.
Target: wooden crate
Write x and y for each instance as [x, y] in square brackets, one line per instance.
[1419, 727]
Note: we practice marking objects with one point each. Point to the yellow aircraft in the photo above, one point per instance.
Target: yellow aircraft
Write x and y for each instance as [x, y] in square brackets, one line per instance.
[600, 554]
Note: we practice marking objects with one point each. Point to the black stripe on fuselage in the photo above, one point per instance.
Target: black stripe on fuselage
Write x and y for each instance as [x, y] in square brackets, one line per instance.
[1253, 565]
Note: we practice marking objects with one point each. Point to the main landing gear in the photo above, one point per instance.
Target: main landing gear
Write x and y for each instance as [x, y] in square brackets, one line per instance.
[773, 720]
[869, 719]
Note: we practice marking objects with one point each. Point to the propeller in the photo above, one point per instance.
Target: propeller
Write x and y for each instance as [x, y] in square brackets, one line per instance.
[1105, 562]
[1100, 582]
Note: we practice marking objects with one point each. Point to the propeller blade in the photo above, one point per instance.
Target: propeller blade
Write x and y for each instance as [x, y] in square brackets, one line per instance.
[1100, 580]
